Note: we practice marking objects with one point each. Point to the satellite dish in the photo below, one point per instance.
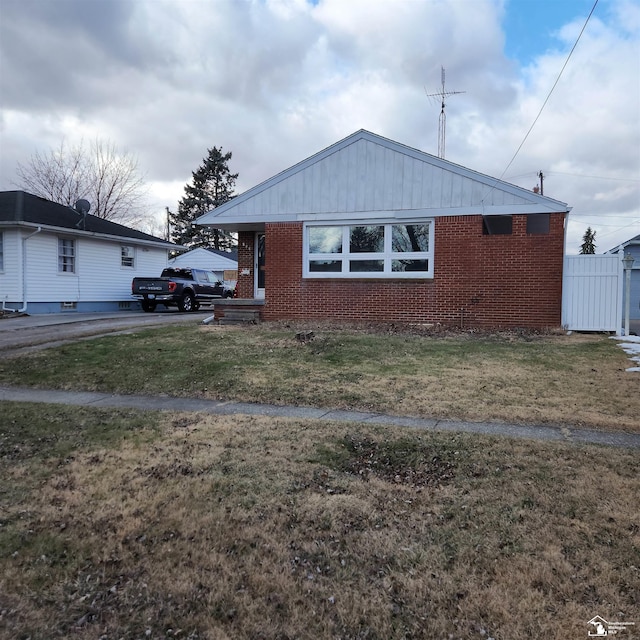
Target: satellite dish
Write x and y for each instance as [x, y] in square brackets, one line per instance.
[83, 206]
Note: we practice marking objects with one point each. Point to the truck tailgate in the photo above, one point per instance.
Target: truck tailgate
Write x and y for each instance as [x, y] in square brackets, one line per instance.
[150, 285]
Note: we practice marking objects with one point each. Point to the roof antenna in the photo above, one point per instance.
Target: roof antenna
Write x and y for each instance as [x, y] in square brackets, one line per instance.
[442, 122]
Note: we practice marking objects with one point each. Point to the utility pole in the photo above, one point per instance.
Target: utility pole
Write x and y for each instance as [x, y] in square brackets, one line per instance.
[442, 122]
[541, 176]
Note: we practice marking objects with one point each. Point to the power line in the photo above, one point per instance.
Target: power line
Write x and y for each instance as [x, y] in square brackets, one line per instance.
[604, 224]
[544, 104]
[531, 174]
[626, 226]
[582, 175]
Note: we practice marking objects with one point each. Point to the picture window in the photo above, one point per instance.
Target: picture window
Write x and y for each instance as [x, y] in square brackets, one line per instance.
[369, 250]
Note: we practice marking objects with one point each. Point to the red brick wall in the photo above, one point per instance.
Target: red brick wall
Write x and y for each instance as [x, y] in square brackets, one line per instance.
[244, 285]
[498, 280]
[479, 280]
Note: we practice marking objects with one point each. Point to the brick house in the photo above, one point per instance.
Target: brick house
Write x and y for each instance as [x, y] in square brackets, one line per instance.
[370, 229]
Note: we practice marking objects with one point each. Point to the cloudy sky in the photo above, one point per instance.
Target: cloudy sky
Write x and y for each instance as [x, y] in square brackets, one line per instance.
[275, 81]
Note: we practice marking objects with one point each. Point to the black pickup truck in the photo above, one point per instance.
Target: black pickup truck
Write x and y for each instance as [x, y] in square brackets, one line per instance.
[184, 288]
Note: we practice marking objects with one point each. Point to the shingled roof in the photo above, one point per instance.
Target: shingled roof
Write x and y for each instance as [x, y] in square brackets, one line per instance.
[22, 208]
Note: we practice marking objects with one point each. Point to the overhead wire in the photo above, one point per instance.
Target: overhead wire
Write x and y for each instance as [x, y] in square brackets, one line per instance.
[572, 175]
[544, 104]
[582, 175]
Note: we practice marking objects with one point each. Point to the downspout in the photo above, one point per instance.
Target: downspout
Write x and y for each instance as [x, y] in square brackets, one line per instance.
[24, 269]
[563, 324]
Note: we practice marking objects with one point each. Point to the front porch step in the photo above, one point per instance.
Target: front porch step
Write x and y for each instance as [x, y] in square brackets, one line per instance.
[240, 316]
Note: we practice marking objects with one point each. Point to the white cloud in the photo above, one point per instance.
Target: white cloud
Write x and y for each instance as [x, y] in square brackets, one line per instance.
[278, 80]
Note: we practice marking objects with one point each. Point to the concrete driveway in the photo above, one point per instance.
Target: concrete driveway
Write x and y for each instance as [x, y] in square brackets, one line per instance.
[22, 334]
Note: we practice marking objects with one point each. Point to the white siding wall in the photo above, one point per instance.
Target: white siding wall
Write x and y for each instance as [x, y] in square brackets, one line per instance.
[634, 298]
[11, 274]
[99, 275]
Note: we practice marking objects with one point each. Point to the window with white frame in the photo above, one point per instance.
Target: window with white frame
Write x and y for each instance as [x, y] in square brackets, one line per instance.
[66, 255]
[369, 250]
[127, 256]
[1, 251]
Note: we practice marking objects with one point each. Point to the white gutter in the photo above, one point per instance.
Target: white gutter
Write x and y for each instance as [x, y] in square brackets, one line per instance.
[24, 269]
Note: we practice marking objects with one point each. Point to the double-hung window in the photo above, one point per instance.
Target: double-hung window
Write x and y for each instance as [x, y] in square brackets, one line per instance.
[66, 255]
[369, 250]
[127, 256]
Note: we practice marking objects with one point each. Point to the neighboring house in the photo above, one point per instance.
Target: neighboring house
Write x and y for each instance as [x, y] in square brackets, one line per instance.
[53, 258]
[223, 263]
[632, 247]
[369, 229]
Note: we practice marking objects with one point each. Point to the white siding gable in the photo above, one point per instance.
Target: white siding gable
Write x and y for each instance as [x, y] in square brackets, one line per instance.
[365, 175]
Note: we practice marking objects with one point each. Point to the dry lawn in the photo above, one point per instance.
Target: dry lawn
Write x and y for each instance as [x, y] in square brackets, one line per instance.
[517, 377]
[125, 525]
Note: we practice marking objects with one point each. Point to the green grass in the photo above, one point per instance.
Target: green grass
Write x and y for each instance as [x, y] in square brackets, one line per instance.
[45, 434]
[575, 380]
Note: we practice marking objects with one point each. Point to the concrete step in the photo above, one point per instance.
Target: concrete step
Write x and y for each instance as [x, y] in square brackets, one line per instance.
[240, 316]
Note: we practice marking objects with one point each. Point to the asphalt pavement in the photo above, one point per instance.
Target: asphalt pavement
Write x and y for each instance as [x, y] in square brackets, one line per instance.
[20, 334]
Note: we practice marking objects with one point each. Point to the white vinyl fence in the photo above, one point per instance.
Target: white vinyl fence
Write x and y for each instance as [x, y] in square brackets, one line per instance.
[592, 293]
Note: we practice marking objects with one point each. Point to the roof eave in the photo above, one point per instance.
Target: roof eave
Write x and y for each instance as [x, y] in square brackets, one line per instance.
[94, 234]
[257, 222]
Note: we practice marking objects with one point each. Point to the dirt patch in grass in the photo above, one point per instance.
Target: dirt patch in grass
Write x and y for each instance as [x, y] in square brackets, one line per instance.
[249, 527]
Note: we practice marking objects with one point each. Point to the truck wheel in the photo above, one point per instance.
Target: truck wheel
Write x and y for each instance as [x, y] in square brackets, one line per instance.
[186, 302]
[148, 306]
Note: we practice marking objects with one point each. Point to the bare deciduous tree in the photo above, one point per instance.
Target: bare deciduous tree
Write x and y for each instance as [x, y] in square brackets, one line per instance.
[108, 179]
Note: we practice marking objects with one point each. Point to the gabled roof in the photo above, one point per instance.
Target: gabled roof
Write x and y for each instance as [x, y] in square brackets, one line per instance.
[635, 240]
[368, 176]
[231, 256]
[18, 208]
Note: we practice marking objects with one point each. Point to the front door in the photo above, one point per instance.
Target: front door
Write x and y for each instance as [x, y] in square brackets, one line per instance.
[258, 266]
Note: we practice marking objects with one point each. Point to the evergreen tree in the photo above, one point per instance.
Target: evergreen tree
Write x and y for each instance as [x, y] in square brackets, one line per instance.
[211, 185]
[588, 245]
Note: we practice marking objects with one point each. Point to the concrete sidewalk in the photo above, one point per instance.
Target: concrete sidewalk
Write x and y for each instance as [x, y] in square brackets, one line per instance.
[217, 407]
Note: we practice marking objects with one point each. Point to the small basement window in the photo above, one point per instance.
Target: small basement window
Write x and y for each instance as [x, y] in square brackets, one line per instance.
[538, 223]
[497, 225]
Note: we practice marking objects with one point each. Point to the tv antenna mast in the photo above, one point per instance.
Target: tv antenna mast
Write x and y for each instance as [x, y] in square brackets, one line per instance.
[442, 121]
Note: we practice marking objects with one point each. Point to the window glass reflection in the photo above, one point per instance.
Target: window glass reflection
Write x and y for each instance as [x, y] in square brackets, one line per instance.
[325, 239]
